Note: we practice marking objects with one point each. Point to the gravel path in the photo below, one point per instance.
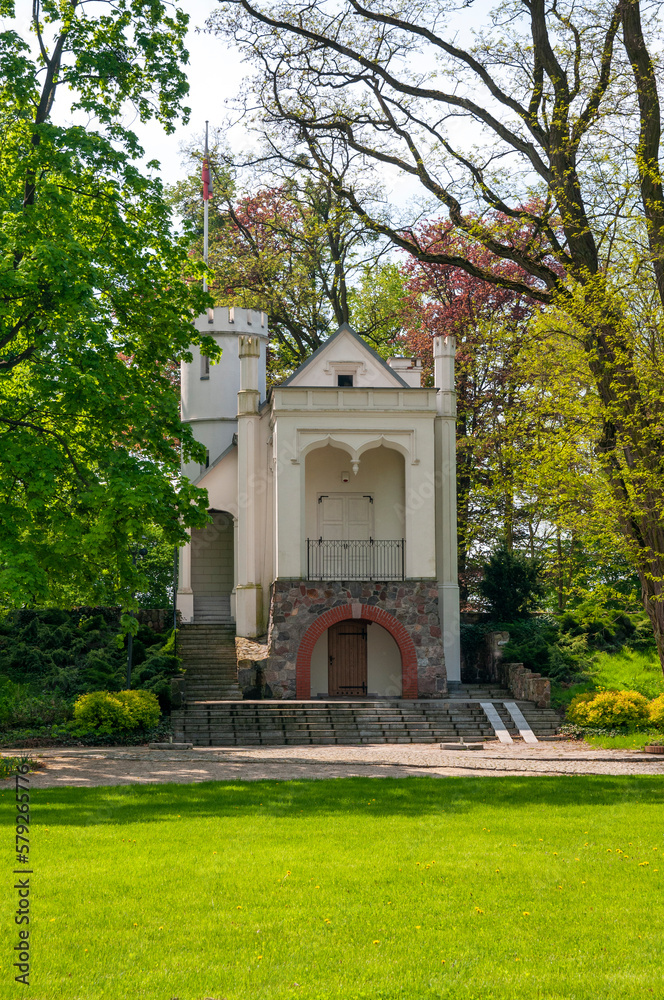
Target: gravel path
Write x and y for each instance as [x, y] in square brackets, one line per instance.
[88, 767]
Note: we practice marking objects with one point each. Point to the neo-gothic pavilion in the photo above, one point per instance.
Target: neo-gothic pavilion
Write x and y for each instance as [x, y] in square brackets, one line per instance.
[333, 505]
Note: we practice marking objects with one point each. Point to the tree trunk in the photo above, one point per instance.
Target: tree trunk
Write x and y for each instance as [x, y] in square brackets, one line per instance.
[651, 575]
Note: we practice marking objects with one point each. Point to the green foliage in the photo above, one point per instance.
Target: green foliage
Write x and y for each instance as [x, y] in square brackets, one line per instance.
[608, 708]
[512, 585]
[8, 765]
[72, 733]
[543, 647]
[96, 301]
[656, 712]
[294, 249]
[54, 655]
[118, 710]
[21, 706]
[629, 670]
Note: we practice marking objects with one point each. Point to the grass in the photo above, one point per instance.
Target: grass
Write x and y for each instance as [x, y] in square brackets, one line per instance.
[354, 889]
[626, 741]
[629, 670]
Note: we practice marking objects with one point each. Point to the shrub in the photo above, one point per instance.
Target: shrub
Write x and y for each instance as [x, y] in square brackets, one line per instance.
[142, 707]
[656, 711]
[608, 708]
[64, 654]
[19, 706]
[118, 709]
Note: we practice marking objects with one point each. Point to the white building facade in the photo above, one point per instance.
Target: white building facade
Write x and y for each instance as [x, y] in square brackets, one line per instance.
[333, 506]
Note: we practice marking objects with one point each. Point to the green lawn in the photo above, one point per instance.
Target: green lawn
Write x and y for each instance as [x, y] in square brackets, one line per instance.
[628, 741]
[379, 889]
[629, 670]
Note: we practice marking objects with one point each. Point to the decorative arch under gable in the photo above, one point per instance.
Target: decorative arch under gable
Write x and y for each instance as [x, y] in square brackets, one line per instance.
[366, 612]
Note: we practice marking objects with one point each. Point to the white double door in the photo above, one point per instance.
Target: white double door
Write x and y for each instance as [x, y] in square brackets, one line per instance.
[345, 519]
[345, 516]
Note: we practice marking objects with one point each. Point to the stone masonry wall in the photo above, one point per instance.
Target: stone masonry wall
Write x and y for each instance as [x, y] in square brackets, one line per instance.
[296, 603]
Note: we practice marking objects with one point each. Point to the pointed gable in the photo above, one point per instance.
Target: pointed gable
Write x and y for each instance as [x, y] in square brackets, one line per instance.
[345, 354]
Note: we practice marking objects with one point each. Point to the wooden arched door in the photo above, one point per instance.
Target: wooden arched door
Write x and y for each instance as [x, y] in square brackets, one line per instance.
[347, 658]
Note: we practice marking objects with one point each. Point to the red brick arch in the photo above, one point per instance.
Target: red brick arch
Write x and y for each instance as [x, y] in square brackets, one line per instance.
[369, 613]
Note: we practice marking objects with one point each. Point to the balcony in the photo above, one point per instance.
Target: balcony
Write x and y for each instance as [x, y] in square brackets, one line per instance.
[370, 559]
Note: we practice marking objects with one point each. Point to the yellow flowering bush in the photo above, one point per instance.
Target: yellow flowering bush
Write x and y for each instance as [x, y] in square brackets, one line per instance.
[656, 712]
[608, 708]
[117, 709]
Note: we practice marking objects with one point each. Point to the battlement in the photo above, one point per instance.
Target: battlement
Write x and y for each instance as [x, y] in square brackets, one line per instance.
[233, 319]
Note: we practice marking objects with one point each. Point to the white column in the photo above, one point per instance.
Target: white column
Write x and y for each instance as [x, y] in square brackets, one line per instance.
[289, 506]
[444, 350]
[185, 597]
[248, 592]
[420, 518]
[234, 590]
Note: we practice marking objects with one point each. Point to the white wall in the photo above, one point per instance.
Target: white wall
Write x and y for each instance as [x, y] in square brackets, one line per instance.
[381, 474]
[345, 354]
[319, 667]
[209, 403]
[383, 664]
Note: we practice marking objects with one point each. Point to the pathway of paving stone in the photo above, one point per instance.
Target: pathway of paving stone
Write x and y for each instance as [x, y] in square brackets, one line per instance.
[88, 767]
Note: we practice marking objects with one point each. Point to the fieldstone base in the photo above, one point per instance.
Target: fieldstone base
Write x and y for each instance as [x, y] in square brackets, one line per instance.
[295, 604]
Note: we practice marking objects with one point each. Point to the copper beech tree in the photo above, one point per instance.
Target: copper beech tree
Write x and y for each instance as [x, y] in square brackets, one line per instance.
[556, 104]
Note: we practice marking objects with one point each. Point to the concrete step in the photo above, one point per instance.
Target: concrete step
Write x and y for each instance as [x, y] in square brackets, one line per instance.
[207, 722]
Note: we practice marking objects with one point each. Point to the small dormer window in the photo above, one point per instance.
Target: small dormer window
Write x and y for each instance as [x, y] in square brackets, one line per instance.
[345, 381]
[205, 366]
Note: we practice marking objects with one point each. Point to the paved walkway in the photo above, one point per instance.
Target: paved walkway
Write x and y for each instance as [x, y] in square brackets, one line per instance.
[88, 767]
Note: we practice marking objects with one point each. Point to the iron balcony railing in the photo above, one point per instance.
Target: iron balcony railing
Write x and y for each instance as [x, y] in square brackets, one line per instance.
[355, 559]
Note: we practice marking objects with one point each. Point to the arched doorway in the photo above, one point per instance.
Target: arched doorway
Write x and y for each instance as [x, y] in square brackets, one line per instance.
[348, 626]
[212, 573]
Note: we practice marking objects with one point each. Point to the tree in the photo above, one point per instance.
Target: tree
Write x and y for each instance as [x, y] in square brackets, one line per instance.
[282, 241]
[512, 584]
[559, 102]
[489, 324]
[96, 301]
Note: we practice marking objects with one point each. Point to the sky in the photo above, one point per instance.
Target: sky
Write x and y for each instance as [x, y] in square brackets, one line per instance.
[215, 71]
[215, 74]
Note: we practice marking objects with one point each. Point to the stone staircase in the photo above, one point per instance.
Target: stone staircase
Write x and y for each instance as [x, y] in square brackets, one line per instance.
[283, 723]
[208, 655]
[215, 609]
